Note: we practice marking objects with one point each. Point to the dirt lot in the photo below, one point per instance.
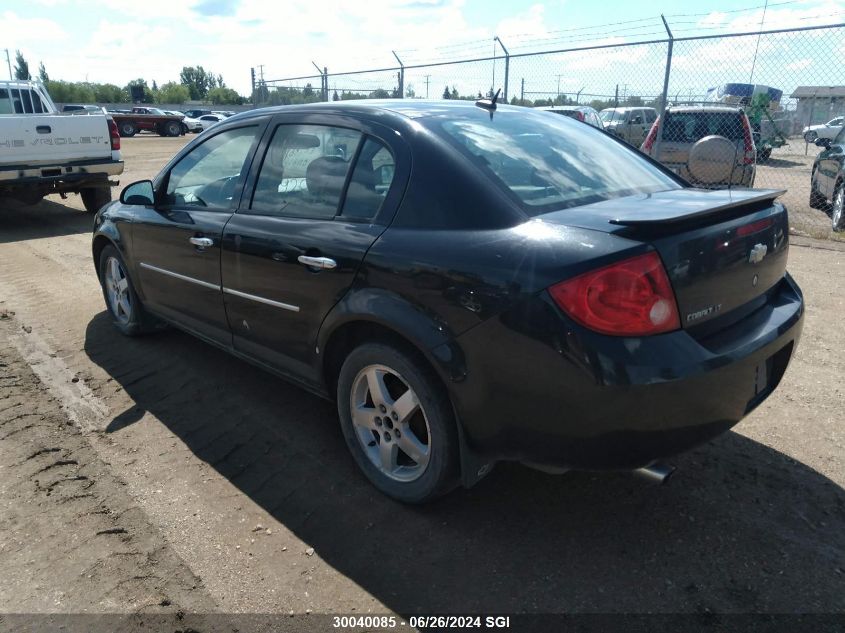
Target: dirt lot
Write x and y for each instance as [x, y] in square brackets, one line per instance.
[236, 492]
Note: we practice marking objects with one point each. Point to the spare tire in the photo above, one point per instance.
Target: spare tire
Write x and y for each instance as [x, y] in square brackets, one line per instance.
[712, 160]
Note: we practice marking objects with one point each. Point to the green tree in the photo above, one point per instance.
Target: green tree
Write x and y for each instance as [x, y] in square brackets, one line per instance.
[171, 92]
[379, 93]
[199, 81]
[446, 93]
[224, 96]
[42, 73]
[21, 67]
[147, 94]
[335, 96]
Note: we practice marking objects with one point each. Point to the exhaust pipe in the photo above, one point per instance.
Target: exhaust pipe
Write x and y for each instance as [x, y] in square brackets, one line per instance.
[657, 472]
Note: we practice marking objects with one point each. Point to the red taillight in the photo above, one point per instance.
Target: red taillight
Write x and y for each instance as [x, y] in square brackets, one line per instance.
[750, 152]
[579, 115]
[754, 227]
[114, 134]
[630, 298]
[648, 143]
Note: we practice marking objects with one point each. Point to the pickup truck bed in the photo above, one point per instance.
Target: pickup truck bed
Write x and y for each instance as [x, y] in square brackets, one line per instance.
[44, 152]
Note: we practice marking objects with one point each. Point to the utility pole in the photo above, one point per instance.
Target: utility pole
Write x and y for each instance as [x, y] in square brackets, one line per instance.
[261, 72]
[616, 97]
[522, 93]
[427, 79]
[558, 85]
[9, 64]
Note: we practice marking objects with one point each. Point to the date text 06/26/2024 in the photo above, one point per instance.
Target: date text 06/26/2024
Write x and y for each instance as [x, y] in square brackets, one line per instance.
[421, 622]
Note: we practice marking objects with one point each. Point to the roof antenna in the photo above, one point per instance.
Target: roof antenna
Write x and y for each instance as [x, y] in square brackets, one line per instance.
[489, 104]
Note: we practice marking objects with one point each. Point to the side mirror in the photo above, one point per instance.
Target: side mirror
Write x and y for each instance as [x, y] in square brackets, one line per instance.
[823, 142]
[139, 193]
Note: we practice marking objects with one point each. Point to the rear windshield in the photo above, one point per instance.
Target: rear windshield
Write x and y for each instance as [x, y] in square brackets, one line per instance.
[547, 163]
[689, 127]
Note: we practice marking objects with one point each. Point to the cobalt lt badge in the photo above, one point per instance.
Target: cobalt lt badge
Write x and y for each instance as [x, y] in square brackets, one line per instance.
[757, 253]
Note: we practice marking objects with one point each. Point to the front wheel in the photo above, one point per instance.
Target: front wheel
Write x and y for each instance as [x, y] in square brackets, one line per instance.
[398, 423]
[810, 137]
[837, 214]
[122, 302]
[94, 198]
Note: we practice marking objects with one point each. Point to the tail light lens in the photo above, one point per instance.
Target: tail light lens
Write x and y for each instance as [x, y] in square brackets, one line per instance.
[750, 152]
[579, 115]
[114, 135]
[629, 298]
[652, 136]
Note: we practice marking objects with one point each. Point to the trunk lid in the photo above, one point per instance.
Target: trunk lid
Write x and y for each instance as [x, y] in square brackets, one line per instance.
[721, 249]
[48, 139]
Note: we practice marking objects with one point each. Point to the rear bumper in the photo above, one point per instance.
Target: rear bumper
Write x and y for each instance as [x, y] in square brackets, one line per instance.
[551, 392]
[72, 172]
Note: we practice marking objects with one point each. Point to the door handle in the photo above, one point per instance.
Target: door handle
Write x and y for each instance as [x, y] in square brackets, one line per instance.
[323, 263]
[201, 242]
[43, 129]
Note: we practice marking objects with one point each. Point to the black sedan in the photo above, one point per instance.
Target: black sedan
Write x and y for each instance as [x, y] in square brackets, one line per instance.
[470, 283]
[827, 183]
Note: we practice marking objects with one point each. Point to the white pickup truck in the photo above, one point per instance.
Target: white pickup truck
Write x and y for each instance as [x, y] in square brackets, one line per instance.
[43, 151]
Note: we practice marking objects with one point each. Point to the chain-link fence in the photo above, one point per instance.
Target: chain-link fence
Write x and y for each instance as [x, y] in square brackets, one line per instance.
[790, 85]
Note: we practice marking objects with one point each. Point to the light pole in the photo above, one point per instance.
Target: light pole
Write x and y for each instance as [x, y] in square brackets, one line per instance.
[9, 64]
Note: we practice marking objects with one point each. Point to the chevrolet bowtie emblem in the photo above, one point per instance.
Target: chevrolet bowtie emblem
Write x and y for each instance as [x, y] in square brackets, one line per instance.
[757, 253]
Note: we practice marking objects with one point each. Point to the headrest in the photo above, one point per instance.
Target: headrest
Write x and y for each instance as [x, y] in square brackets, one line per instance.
[325, 176]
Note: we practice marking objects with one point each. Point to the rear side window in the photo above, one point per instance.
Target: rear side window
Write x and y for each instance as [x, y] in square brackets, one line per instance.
[689, 127]
[304, 171]
[545, 163]
[370, 181]
[23, 101]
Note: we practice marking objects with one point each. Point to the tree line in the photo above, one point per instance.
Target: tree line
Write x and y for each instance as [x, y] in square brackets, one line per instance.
[195, 84]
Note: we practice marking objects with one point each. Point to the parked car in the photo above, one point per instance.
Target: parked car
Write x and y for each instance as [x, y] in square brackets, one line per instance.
[827, 182]
[585, 114]
[629, 124]
[710, 146]
[44, 152]
[81, 109]
[225, 113]
[195, 114]
[207, 120]
[827, 130]
[188, 124]
[501, 300]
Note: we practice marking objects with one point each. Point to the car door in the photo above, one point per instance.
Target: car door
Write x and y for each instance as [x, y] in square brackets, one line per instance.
[176, 244]
[830, 161]
[314, 204]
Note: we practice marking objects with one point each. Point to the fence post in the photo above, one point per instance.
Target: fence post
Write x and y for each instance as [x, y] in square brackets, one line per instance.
[507, 67]
[665, 95]
[401, 76]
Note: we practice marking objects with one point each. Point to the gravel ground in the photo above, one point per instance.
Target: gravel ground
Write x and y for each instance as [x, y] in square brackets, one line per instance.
[238, 495]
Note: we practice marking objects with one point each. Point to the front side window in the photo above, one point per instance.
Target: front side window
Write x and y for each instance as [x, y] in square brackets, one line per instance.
[304, 171]
[209, 175]
[547, 164]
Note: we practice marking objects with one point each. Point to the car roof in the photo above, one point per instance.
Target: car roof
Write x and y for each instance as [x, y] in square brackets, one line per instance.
[406, 108]
[564, 107]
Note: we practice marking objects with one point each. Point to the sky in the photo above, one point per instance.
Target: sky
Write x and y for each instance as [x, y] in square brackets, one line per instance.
[118, 40]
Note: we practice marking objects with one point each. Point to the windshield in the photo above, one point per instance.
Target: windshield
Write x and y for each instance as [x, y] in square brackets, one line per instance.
[610, 115]
[547, 163]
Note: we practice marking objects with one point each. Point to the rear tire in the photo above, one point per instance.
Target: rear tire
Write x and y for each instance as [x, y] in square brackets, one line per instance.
[122, 303]
[398, 423]
[94, 198]
[172, 128]
[127, 128]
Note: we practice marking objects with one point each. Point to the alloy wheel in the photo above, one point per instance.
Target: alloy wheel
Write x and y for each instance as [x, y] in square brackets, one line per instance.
[390, 423]
[117, 290]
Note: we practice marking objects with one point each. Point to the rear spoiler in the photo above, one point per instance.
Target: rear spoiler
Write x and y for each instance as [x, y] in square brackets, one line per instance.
[670, 214]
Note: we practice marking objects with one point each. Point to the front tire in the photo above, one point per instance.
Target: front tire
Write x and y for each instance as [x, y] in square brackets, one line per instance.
[837, 212]
[128, 128]
[811, 137]
[94, 198]
[398, 423]
[172, 128]
[122, 302]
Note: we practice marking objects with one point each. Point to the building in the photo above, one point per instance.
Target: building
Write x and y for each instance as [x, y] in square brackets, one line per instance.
[818, 104]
